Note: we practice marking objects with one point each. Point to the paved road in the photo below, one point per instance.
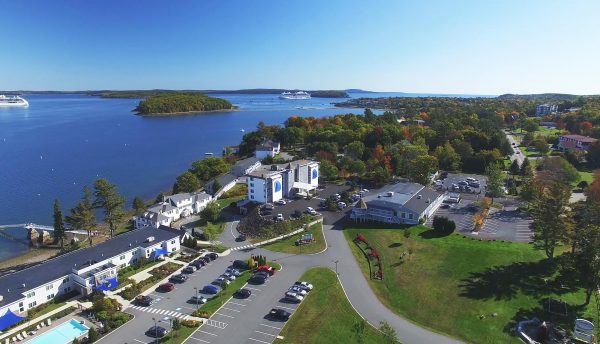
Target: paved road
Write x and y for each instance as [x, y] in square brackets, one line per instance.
[519, 157]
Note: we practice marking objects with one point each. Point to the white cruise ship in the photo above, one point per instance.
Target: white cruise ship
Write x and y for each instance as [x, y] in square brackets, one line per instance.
[295, 95]
[12, 101]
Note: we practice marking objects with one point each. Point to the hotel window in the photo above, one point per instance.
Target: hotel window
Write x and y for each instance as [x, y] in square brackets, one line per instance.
[67, 289]
[251, 185]
[252, 197]
[31, 305]
[32, 294]
[49, 287]
[122, 257]
[50, 297]
[173, 242]
[66, 280]
[403, 215]
[410, 216]
[251, 190]
[252, 178]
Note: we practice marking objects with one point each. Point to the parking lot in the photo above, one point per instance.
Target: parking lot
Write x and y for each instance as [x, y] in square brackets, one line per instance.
[246, 320]
[456, 179]
[461, 213]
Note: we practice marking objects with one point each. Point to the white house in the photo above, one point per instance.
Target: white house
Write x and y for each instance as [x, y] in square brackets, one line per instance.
[269, 184]
[400, 203]
[172, 208]
[225, 182]
[84, 270]
[267, 148]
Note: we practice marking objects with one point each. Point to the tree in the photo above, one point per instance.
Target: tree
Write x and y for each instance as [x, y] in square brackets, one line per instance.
[160, 197]
[593, 154]
[212, 212]
[421, 168]
[541, 145]
[138, 205]
[530, 125]
[59, 225]
[557, 169]
[495, 180]
[389, 333]
[447, 157]
[355, 149]
[443, 225]
[328, 170]
[526, 168]
[109, 200]
[587, 259]
[216, 186]
[514, 168]
[582, 185]
[82, 215]
[186, 182]
[210, 167]
[92, 335]
[176, 324]
[551, 222]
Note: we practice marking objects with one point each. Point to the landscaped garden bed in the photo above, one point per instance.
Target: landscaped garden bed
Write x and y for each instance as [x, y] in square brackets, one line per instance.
[158, 274]
[288, 245]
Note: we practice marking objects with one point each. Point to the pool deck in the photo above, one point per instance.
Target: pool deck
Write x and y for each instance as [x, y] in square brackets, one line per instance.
[59, 322]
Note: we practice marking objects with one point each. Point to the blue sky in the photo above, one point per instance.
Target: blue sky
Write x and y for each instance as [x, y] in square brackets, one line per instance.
[470, 47]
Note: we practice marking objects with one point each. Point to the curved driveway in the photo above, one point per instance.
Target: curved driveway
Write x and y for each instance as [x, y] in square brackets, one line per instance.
[357, 289]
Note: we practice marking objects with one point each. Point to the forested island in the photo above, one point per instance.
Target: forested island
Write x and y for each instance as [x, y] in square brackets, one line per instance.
[179, 103]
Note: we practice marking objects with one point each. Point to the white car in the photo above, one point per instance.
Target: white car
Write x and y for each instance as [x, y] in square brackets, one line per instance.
[297, 290]
[313, 213]
[229, 276]
[341, 205]
[232, 271]
[304, 285]
[365, 190]
[223, 280]
[309, 209]
[293, 297]
[279, 217]
[198, 299]
[281, 202]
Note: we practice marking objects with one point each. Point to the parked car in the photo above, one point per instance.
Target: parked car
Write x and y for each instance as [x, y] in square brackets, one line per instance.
[281, 202]
[474, 184]
[266, 268]
[279, 217]
[157, 332]
[212, 255]
[240, 264]
[313, 213]
[167, 287]
[199, 300]
[205, 259]
[259, 278]
[228, 276]
[341, 205]
[144, 300]
[310, 209]
[293, 297]
[190, 269]
[221, 282]
[211, 289]
[243, 293]
[279, 314]
[241, 237]
[463, 183]
[305, 285]
[178, 278]
[198, 263]
[297, 290]
[233, 271]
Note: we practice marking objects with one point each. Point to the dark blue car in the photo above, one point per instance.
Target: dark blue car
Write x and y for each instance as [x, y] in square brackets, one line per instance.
[211, 289]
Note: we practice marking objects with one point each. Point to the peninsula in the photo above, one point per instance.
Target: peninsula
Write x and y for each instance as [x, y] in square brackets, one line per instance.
[181, 103]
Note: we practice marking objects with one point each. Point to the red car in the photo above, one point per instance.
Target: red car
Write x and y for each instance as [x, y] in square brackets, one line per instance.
[266, 268]
[167, 287]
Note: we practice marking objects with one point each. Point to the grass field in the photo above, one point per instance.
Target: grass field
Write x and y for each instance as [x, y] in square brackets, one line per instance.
[448, 283]
[313, 323]
[288, 245]
[218, 300]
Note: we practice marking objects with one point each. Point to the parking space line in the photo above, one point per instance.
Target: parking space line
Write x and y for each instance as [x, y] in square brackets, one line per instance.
[253, 288]
[288, 308]
[230, 309]
[265, 333]
[225, 315]
[275, 327]
[200, 340]
[237, 304]
[139, 341]
[260, 341]
[190, 308]
[212, 334]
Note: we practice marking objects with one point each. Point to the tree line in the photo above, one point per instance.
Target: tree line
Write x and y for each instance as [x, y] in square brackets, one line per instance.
[181, 102]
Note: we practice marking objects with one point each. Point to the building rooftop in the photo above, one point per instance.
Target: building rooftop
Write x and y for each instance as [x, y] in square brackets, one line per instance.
[581, 138]
[411, 196]
[11, 285]
[267, 145]
[239, 169]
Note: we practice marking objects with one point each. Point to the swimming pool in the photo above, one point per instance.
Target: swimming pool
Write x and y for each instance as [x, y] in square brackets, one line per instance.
[63, 334]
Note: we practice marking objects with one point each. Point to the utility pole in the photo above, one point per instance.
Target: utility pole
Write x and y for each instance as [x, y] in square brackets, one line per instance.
[197, 301]
[155, 331]
[336, 264]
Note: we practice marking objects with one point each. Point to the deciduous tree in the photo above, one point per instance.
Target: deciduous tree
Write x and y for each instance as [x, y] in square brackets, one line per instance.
[187, 182]
[495, 180]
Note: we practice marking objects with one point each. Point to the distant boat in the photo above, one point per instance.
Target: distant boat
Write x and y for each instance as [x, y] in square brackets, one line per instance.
[295, 95]
[242, 130]
[208, 154]
[12, 101]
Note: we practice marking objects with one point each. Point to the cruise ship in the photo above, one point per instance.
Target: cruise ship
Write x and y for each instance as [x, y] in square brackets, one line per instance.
[12, 101]
[295, 95]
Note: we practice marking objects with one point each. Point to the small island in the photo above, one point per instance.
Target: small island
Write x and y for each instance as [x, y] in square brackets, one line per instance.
[181, 103]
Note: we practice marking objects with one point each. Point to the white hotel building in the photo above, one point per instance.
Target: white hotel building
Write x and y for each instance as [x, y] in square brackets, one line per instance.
[269, 184]
[83, 270]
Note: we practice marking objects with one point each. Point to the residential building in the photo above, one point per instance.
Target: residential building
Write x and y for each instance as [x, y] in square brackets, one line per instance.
[172, 208]
[269, 184]
[400, 203]
[575, 142]
[267, 148]
[225, 182]
[83, 270]
[545, 109]
[245, 166]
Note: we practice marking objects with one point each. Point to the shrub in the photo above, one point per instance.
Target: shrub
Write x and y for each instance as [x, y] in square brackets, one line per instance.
[201, 314]
[190, 323]
[92, 335]
[443, 225]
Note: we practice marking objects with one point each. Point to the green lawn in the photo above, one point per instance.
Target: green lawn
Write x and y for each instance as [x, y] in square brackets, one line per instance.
[314, 323]
[288, 245]
[218, 300]
[447, 283]
[179, 337]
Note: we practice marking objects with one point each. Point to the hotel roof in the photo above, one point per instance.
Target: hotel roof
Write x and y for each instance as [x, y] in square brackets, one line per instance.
[11, 285]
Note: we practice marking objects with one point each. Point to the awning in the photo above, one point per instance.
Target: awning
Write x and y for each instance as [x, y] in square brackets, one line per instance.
[160, 252]
[303, 186]
[8, 319]
[108, 285]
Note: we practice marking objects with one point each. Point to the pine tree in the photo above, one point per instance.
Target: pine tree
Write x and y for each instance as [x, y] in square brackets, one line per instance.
[109, 200]
[82, 215]
[59, 225]
[138, 206]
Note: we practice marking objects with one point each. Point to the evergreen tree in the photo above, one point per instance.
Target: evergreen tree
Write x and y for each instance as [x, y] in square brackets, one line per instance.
[526, 167]
[82, 215]
[515, 169]
[495, 181]
[587, 259]
[138, 205]
[59, 225]
[109, 200]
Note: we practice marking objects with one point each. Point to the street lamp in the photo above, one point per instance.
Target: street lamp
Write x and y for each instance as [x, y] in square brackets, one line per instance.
[197, 301]
[155, 331]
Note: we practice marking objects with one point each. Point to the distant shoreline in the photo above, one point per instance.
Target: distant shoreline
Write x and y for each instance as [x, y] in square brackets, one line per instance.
[183, 113]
